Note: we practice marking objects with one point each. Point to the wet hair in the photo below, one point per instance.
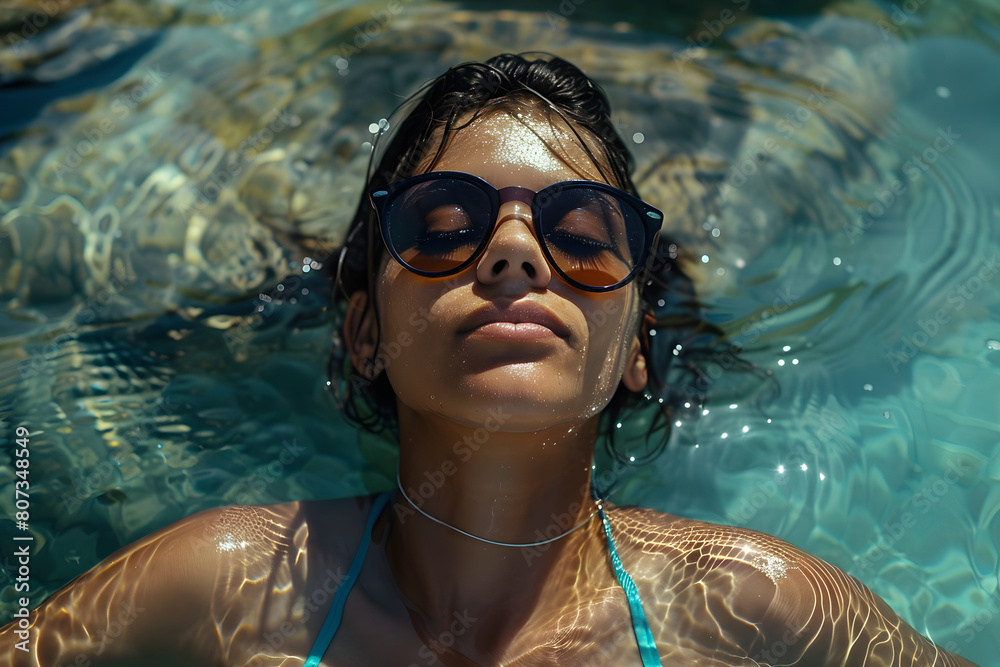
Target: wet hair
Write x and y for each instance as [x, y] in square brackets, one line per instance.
[453, 100]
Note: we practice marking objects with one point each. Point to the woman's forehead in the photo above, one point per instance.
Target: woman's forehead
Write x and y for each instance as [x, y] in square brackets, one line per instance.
[517, 147]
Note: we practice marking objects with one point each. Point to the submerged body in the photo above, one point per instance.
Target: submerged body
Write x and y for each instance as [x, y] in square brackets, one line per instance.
[249, 586]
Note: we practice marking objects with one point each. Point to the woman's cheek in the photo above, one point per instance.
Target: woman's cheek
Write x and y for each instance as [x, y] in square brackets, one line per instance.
[609, 343]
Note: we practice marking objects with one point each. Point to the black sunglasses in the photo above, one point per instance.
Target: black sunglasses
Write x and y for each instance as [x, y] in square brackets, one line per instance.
[595, 236]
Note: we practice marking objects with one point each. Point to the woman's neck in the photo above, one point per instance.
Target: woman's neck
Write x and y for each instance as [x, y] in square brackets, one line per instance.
[501, 486]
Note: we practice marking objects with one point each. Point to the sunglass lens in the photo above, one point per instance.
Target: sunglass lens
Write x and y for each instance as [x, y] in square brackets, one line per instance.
[437, 225]
[594, 237]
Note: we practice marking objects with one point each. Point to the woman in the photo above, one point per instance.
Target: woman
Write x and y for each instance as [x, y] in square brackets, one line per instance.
[471, 328]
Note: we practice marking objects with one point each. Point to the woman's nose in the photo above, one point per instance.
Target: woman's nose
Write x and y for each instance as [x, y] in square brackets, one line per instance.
[513, 256]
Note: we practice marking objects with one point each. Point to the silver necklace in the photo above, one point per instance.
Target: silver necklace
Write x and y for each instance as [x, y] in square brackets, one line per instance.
[399, 483]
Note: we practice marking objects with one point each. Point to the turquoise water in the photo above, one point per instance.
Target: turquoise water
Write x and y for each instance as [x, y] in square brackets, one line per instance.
[173, 178]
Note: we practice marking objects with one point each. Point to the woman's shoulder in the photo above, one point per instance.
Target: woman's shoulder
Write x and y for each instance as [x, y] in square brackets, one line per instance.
[252, 533]
[660, 533]
[161, 592]
[754, 576]
[761, 563]
[232, 541]
[768, 598]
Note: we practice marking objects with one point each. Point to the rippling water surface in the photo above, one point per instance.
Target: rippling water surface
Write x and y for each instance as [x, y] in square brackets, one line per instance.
[174, 177]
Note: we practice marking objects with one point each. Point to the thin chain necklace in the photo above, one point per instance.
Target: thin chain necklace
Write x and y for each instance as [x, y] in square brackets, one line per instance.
[499, 544]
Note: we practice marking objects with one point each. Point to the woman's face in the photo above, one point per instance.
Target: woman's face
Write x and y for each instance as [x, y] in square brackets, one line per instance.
[507, 334]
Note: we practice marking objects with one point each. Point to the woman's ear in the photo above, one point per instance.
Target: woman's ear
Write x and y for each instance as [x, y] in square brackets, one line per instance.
[360, 332]
[635, 375]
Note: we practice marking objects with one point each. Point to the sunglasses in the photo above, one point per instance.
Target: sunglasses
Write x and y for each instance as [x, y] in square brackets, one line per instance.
[595, 236]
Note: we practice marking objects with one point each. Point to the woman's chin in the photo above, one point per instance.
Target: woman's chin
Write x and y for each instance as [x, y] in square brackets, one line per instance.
[532, 395]
[521, 410]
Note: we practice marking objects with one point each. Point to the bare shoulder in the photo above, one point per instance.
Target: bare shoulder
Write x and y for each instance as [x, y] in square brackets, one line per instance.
[249, 536]
[753, 568]
[168, 591]
[769, 600]
[250, 542]
[248, 531]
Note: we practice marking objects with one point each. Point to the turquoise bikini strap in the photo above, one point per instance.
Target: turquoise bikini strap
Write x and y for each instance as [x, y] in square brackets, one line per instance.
[336, 613]
[643, 635]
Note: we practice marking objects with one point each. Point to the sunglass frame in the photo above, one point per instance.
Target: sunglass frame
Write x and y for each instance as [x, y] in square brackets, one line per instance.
[651, 217]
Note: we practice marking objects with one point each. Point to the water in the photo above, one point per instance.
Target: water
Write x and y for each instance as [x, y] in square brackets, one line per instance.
[174, 177]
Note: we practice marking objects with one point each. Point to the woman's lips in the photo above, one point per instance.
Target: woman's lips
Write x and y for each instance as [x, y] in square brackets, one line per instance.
[522, 320]
[525, 331]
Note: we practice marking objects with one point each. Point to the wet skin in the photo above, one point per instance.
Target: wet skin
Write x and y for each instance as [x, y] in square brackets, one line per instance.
[252, 585]
[242, 586]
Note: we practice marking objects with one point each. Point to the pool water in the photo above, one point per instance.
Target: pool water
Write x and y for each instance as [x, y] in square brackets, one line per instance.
[175, 176]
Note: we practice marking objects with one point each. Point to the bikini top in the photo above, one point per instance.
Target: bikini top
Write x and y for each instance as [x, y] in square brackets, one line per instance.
[644, 636]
